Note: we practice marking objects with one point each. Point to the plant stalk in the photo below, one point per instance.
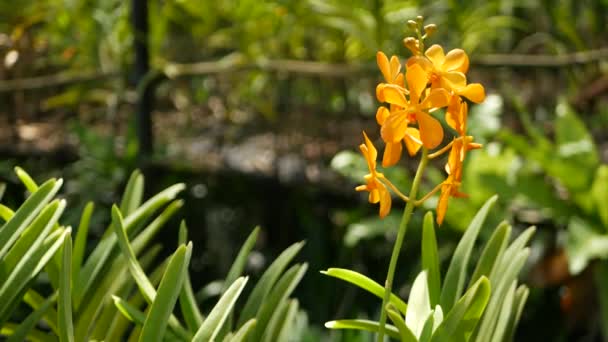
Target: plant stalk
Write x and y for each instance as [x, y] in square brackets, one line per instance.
[405, 219]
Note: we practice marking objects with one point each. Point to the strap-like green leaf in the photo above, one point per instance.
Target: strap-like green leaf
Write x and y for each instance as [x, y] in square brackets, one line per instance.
[367, 284]
[133, 194]
[214, 321]
[26, 179]
[25, 271]
[187, 301]
[66, 327]
[166, 297]
[492, 251]
[430, 258]
[280, 292]
[506, 310]
[26, 214]
[362, 324]
[419, 306]
[142, 281]
[457, 271]
[80, 242]
[460, 322]
[266, 282]
[100, 255]
[521, 296]
[20, 334]
[288, 320]
[406, 334]
[241, 259]
[244, 331]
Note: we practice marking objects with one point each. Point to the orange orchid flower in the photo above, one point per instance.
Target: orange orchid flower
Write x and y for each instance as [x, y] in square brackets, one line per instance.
[456, 115]
[395, 125]
[377, 190]
[448, 72]
[390, 69]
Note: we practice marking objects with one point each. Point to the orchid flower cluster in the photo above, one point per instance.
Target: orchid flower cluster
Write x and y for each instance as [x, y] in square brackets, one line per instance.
[432, 80]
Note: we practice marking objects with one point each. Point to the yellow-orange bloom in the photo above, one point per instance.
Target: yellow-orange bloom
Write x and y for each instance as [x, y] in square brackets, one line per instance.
[451, 186]
[395, 125]
[390, 69]
[456, 115]
[377, 190]
[448, 72]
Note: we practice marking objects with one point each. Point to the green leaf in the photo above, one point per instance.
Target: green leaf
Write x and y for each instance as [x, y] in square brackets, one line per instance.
[241, 259]
[36, 301]
[66, 328]
[129, 311]
[456, 274]
[26, 214]
[133, 194]
[142, 281]
[214, 321]
[32, 319]
[34, 335]
[366, 284]
[25, 271]
[242, 334]
[266, 282]
[168, 291]
[430, 258]
[80, 243]
[600, 195]
[6, 213]
[404, 331]
[506, 308]
[463, 317]
[362, 324]
[25, 178]
[288, 320]
[187, 301]
[521, 296]
[502, 277]
[419, 306]
[102, 252]
[492, 251]
[33, 235]
[280, 292]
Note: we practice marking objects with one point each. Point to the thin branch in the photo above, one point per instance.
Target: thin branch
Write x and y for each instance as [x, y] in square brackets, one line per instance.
[175, 70]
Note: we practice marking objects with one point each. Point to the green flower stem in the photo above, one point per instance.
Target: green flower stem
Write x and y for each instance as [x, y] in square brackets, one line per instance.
[405, 219]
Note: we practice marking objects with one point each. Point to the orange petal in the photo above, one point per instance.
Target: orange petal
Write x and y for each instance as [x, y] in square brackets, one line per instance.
[453, 80]
[437, 98]
[442, 204]
[374, 196]
[394, 95]
[412, 140]
[392, 154]
[473, 92]
[381, 114]
[456, 60]
[416, 81]
[431, 132]
[394, 127]
[385, 202]
[456, 115]
[436, 55]
[372, 152]
[395, 67]
[399, 80]
[422, 61]
[380, 92]
[384, 66]
[361, 188]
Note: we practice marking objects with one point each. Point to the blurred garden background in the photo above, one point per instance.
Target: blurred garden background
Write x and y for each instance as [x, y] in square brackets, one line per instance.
[258, 106]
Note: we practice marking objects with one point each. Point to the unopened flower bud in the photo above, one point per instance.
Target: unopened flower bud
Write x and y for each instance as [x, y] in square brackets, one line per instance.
[430, 29]
[419, 19]
[412, 44]
[412, 24]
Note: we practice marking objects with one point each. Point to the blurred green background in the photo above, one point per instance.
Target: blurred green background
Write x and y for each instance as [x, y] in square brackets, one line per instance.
[259, 106]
